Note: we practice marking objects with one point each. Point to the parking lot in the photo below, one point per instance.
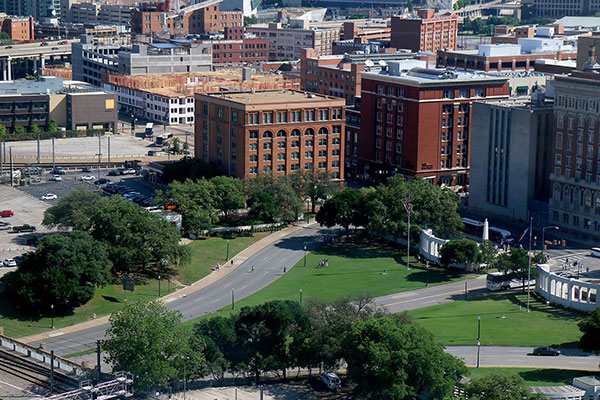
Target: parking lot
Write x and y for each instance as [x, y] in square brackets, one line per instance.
[28, 208]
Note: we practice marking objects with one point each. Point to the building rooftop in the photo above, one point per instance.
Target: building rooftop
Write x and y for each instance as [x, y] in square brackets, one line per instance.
[591, 380]
[585, 22]
[566, 390]
[276, 96]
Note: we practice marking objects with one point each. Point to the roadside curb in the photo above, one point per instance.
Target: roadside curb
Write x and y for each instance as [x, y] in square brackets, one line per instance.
[211, 278]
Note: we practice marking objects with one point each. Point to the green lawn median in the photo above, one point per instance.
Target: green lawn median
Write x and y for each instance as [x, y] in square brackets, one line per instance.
[533, 376]
[455, 323]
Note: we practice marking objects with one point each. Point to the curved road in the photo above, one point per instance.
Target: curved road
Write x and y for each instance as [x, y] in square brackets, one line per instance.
[268, 266]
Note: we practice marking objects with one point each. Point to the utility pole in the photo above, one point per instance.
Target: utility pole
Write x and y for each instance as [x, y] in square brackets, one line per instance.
[12, 171]
[51, 372]
[53, 154]
[109, 152]
[529, 261]
[98, 344]
[407, 207]
[38, 146]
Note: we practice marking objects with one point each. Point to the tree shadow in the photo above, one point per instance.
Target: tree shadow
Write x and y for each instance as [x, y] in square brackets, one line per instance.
[111, 299]
[560, 376]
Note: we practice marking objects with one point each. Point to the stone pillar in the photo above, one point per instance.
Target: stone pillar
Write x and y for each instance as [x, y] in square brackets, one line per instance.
[9, 69]
[42, 63]
[3, 70]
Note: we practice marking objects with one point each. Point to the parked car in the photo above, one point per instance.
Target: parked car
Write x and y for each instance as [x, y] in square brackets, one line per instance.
[113, 173]
[88, 178]
[595, 252]
[18, 259]
[44, 44]
[5, 226]
[24, 228]
[9, 262]
[8, 47]
[6, 213]
[63, 42]
[102, 181]
[331, 380]
[49, 196]
[56, 178]
[546, 351]
[55, 48]
[86, 169]
[128, 171]
[59, 170]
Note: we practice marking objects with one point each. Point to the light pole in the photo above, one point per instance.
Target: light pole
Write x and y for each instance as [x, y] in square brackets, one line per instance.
[232, 300]
[52, 314]
[478, 328]
[305, 255]
[159, 285]
[300, 296]
[529, 261]
[227, 258]
[543, 236]
[427, 267]
[478, 348]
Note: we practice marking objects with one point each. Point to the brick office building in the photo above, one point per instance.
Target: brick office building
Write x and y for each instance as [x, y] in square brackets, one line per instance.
[281, 131]
[425, 32]
[18, 28]
[417, 121]
[235, 48]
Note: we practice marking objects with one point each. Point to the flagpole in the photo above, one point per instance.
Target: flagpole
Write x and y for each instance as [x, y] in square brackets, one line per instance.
[408, 233]
[529, 259]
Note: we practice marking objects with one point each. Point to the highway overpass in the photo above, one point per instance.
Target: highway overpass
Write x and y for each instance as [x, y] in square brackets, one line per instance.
[34, 54]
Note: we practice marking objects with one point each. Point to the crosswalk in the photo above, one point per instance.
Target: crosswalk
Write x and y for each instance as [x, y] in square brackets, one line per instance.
[575, 262]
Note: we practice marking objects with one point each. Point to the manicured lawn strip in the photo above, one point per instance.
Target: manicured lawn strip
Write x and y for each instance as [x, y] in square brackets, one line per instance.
[206, 253]
[455, 323]
[533, 376]
[356, 264]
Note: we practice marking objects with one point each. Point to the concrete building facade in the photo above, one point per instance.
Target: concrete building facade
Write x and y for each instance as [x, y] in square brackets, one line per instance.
[425, 31]
[509, 177]
[247, 133]
[417, 121]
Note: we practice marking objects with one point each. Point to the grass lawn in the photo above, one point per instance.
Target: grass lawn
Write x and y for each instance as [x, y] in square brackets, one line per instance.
[355, 264]
[455, 323]
[533, 376]
[205, 254]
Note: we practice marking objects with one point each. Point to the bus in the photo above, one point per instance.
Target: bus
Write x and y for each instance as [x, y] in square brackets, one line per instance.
[500, 235]
[475, 228]
[164, 138]
[472, 227]
[498, 281]
[149, 130]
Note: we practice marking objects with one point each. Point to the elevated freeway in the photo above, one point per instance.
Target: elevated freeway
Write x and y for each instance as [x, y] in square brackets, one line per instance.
[33, 53]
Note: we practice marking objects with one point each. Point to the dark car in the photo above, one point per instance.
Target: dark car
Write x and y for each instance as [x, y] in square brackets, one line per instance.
[546, 351]
[6, 213]
[24, 228]
[44, 44]
[86, 169]
[8, 47]
[59, 171]
[113, 173]
[102, 181]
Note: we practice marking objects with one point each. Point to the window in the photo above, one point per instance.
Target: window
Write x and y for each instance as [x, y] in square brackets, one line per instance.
[559, 138]
[322, 153]
[295, 155]
[448, 93]
[267, 134]
[295, 143]
[464, 93]
[308, 166]
[220, 113]
[480, 92]
[281, 157]
[399, 134]
[295, 132]
[309, 132]
[253, 170]
[378, 129]
[204, 109]
[558, 159]
[400, 92]
[267, 168]
[233, 132]
[308, 154]
[322, 165]
[253, 146]
[267, 157]
[309, 143]
[335, 153]
[253, 134]
[281, 133]
[281, 145]
[267, 146]
[234, 116]
[398, 147]
[253, 158]
[295, 167]
[378, 143]
[322, 142]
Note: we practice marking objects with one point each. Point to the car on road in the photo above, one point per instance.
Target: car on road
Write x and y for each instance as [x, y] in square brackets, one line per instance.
[44, 44]
[24, 228]
[88, 178]
[102, 181]
[8, 47]
[128, 171]
[63, 42]
[9, 262]
[56, 178]
[86, 169]
[595, 252]
[55, 48]
[331, 380]
[546, 351]
[4, 226]
[49, 196]
[59, 171]
[113, 173]
[6, 213]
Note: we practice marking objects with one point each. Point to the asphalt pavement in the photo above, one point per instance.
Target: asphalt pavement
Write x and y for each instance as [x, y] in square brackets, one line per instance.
[268, 265]
[501, 356]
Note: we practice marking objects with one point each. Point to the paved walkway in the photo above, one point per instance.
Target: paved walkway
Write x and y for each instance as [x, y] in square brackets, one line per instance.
[225, 270]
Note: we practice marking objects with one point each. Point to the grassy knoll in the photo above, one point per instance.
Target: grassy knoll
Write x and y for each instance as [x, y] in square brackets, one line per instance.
[456, 323]
[533, 376]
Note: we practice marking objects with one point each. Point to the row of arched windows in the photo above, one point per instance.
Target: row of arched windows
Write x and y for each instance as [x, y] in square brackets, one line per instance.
[576, 196]
[294, 132]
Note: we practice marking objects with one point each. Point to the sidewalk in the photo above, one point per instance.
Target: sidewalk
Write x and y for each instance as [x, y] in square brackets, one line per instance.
[213, 277]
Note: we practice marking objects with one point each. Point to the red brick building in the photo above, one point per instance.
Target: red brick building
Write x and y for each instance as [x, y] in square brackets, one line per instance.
[425, 32]
[18, 28]
[280, 131]
[417, 122]
[237, 49]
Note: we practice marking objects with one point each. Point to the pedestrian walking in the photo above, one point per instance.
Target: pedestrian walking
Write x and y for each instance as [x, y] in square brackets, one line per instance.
[284, 269]
[252, 269]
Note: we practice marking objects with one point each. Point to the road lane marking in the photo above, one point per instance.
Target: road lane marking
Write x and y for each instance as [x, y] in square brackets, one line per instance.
[243, 287]
[56, 334]
[428, 297]
[226, 286]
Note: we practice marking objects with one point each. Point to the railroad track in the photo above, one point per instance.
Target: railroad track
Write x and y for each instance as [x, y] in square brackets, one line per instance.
[35, 373]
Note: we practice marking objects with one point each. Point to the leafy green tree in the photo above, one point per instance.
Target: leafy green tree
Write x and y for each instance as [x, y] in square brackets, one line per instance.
[500, 387]
[344, 208]
[460, 251]
[176, 148]
[189, 168]
[149, 340]
[4, 36]
[314, 185]
[266, 332]
[488, 253]
[409, 6]
[262, 207]
[590, 327]
[34, 128]
[229, 194]
[503, 263]
[220, 350]
[195, 200]
[52, 127]
[64, 271]
[2, 130]
[288, 203]
[392, 361]
[137, 241]
[250, 20]
[19, 130]
[73, 210]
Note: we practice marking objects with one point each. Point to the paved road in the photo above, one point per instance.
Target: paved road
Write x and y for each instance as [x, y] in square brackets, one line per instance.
[499, 356]
[268, 266]
[432, 295]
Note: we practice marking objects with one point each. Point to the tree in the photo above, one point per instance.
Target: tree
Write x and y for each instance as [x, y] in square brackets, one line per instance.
[19, 130]
[344, 208]
[590, 327]
[286, 198]
[502, 263]
[189, 168]
[64, 271]
[460, 251]
[229, 194]
[137, 241]
[393, 361]
[34, 128]
[409, 6]
[488, 253]
[500, 387]
[262, 207]
[314, 185]
[73, 210]
[176, 149]
[250, 20]
[219, 338]
[2, 130]
[52, 127]
[148, 340]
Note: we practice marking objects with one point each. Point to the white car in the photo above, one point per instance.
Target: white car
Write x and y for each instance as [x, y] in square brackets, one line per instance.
[5, 226]
[9, 262]
[88, 178]
[56, 178]
[49, 196]
[331, 380]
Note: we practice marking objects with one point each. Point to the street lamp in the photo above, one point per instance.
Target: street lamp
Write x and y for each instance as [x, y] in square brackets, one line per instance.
[427, 267]
[478, 327]
[227, 258]
[159, 285]
[543, 236]
[305, 255]
[300, 296]
[52, 314]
